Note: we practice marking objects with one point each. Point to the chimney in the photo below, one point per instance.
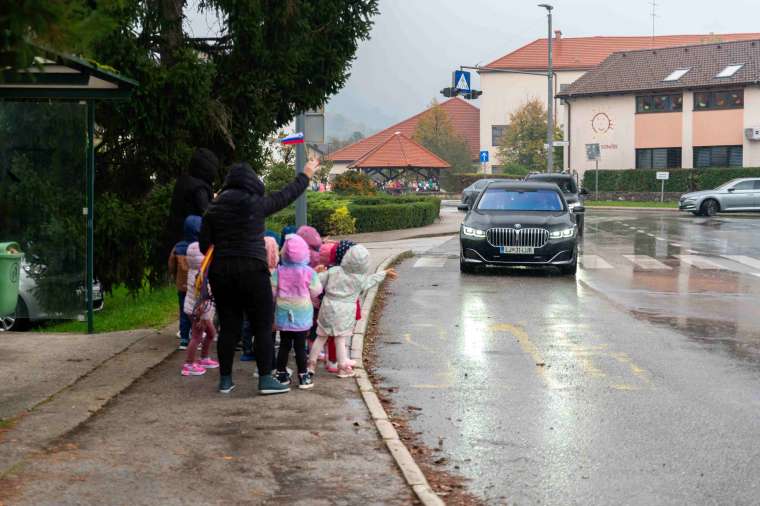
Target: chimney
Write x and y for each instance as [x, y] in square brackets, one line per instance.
[557, 35]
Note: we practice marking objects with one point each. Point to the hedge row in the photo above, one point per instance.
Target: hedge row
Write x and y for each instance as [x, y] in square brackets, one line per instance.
[373, 214]
[681, 180]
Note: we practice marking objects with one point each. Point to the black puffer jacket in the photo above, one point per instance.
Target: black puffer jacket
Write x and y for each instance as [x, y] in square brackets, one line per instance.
[234, 222]
[192, 193]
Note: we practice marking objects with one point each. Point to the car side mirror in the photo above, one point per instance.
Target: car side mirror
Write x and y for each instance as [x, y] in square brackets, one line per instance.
[731, 190]
[463, 207]
[579, 209]
[584, 191]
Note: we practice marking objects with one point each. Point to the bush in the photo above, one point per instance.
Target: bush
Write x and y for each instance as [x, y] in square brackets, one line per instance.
[341, 222]
[681, 180]
[354, 183]
[376, 218]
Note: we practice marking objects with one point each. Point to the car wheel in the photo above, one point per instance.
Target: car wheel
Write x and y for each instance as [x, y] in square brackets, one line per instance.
[13, 323]
[710, 207]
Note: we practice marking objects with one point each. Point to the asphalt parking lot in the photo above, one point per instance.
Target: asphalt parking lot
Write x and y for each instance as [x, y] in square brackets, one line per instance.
[634, 383]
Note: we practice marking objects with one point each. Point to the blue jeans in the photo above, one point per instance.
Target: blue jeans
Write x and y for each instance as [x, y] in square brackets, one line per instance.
[184, 321]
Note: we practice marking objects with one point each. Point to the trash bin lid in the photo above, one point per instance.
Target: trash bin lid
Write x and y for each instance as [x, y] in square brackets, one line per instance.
[10, 249]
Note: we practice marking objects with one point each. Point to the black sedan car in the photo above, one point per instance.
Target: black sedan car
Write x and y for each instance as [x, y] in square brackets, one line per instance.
[470, 194]
[569, 188]
[520, 224]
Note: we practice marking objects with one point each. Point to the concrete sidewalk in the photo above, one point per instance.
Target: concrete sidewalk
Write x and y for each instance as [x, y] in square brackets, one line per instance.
[168, 439]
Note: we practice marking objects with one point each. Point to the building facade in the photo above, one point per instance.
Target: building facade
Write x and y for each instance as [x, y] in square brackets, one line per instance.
[668, 108]
[506, 92]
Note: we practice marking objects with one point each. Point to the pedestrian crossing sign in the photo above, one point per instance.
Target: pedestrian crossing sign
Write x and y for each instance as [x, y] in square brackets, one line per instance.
[462, 81]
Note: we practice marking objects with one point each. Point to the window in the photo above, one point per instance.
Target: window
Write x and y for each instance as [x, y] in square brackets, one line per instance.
[497, 134]
[730, 70]
[718, 156]
[502, 199]
[745, 185]
[658, 158]
[676, 74]
[731, 99]
[659, 103]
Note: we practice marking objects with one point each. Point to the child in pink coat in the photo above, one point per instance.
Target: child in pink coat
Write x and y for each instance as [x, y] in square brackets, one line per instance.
[202, 318]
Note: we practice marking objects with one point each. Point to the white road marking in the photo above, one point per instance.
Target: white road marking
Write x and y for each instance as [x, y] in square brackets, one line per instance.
[744, 260]
[675, 244]
[699, 262]
[594, 262]
[648, 263]
[436, 262]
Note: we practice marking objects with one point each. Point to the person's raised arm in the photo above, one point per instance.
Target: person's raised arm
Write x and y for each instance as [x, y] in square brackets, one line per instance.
[276, 201]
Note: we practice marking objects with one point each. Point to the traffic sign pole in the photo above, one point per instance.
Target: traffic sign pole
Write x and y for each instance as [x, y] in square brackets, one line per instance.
[300, 162]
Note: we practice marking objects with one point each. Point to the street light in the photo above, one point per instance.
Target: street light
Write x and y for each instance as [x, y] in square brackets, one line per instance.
[550, 105]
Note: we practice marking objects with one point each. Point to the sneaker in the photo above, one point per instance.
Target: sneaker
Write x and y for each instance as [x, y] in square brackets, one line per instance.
[225, 384]
[269, 385]
[306, 380]
[331, 367]
[283, 378]
[193, 370]
[183, 344]
[208, 363]
[179, 335]
[247, 357]
[346, 372]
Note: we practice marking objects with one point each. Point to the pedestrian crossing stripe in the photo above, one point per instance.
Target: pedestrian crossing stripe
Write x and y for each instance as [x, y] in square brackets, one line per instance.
[436, 262]
[647, 262]
[594, 262]
[744, 260]
[699, 262]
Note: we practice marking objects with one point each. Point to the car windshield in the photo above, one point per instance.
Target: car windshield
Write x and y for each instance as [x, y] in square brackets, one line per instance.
[505, 199]
[566, 184]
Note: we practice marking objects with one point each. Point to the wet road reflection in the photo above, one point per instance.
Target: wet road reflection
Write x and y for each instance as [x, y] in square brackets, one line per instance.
[637, 383]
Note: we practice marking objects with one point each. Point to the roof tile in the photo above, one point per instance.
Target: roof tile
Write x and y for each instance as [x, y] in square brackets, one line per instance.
[464, 117]
[399, 151]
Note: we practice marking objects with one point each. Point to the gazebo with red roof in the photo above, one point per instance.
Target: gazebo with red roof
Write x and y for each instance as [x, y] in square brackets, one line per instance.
[400, 157]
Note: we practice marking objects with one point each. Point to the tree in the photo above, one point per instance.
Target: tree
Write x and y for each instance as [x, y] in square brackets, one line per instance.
[335, 144]
[436, 133]
[522, 147]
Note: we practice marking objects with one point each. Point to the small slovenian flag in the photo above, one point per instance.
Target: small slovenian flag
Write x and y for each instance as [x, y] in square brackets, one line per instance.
[296, 138]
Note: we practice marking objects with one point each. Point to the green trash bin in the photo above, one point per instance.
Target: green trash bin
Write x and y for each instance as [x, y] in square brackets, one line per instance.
[10, 263]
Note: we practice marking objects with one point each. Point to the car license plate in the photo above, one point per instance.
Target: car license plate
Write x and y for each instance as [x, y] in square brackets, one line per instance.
[516, 250]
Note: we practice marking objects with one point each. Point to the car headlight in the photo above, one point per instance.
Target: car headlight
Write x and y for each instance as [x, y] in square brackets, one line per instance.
[473, 232]
[573, 205]
[562, 233]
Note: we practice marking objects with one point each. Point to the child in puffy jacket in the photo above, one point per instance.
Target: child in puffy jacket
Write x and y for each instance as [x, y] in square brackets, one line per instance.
[178, 270]
[337, 315]
[314, 241]
[295, 286]
[201, 313]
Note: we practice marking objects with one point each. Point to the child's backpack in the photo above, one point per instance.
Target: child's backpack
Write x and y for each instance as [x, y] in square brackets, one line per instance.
[203, 298]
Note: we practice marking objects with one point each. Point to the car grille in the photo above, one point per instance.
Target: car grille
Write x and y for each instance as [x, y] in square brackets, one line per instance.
[531, 237]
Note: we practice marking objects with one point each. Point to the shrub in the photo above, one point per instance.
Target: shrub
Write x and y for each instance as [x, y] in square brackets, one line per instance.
[376, 218]
[681, 180]
[341, 222]
[353, 183]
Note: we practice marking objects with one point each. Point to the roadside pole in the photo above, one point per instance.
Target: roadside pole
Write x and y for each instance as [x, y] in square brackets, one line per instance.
[550, 89]
[300, 162]
[596, 176]
[662, 176]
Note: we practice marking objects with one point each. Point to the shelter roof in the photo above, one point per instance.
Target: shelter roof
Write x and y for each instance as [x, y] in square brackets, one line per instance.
[399, 152]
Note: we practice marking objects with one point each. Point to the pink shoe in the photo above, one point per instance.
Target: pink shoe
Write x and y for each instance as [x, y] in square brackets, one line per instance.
[331, 367]
[346, 372]
[352, 363]
[193, 370]
[208, 363]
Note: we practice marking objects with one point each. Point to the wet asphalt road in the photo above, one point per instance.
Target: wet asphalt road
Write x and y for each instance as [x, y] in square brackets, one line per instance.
[636, 383]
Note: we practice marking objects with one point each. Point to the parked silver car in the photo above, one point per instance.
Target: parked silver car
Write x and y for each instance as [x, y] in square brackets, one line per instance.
[741, 194]
[30, 310]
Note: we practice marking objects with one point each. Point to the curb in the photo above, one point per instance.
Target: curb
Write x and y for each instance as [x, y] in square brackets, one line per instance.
[411, 471]
[626, 208]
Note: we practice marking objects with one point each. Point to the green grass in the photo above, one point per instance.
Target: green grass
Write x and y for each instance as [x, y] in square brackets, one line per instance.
[148, 309]
[630, 203]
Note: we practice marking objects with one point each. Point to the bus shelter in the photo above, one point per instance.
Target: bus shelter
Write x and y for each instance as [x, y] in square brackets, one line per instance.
[47, 178]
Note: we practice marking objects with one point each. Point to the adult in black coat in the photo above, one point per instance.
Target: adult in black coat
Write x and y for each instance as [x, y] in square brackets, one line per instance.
[239, 273]
[192, 193]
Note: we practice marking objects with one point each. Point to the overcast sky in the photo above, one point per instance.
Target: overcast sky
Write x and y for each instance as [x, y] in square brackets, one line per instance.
[416, 44]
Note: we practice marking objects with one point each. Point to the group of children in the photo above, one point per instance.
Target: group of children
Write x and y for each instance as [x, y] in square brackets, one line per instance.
[316, 286]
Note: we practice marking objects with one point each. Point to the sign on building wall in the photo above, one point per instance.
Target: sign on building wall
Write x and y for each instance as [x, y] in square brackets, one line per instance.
[593, 152]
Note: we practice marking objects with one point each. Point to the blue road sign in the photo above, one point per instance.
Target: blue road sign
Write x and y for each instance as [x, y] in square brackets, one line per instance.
[484, 157]
[462, 81]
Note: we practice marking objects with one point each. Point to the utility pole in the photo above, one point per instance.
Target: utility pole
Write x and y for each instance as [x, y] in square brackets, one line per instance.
[550, 104]
[300, 162]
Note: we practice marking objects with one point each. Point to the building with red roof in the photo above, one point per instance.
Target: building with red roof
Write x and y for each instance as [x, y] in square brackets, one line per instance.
[464, 117]
[504, 93]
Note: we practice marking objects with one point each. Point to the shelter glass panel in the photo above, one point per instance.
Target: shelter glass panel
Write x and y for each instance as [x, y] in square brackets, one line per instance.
[42, 197]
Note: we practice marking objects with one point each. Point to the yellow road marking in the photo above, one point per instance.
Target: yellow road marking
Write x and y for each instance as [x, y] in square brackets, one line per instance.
[529, 348]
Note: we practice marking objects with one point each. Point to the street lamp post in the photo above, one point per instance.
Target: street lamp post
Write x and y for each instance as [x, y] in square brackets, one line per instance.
[550, 105]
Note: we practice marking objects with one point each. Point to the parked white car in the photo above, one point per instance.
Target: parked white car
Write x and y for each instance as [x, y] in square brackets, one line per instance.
[741, 194]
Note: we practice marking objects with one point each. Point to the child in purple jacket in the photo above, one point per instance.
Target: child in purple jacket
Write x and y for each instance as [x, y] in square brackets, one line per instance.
[295, 286]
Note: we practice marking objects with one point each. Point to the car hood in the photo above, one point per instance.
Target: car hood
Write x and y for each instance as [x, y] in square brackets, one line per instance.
[485, 221]
[699, 194]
